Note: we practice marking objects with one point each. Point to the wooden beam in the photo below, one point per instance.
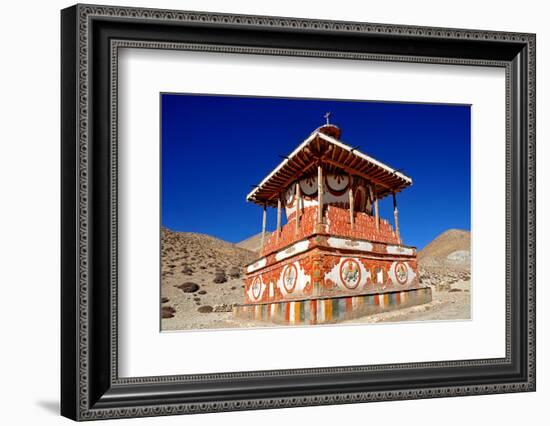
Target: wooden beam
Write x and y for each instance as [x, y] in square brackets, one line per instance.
[370, 195]
[355, 162]
[376, 216]
[320, 193]
[341, 153]
[308, 151]
[300, 162]
[298, 208]
[304, 155]
[376, 172]
[345, 159]
[278, 217]
[292, 166]
[396, 217]
[351, 204]
[264, 219]
[334, 153]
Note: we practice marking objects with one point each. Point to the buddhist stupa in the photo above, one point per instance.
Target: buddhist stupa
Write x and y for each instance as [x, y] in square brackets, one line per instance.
[335, 259]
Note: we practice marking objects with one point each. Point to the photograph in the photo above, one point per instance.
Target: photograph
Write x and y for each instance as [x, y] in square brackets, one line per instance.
[280, 212]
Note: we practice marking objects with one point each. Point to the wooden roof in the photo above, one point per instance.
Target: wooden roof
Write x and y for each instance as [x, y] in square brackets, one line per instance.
[336, 157]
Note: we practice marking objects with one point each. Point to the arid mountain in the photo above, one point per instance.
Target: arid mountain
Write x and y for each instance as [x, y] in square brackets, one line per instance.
[451, 248]
[444, 264]
[201, 280]
[254, 242]
[196, 250]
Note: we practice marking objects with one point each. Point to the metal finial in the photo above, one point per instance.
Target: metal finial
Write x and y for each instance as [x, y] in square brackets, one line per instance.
[327, 115]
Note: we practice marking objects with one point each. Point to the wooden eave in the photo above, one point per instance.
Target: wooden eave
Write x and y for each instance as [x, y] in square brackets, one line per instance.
[336, 157]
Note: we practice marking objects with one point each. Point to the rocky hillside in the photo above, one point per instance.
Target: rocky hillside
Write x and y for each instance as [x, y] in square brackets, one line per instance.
[253, 243]
[200, 251]
[451, 248]
[446, 260]
[201, 279]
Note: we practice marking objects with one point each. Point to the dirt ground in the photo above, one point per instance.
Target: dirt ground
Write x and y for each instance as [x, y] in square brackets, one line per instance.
[186, 305]
[445, 305]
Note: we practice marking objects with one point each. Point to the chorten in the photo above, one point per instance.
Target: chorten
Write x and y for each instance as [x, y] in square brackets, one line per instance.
[335, 259]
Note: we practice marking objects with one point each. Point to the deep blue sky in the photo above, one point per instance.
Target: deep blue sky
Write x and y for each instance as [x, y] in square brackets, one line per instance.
[215, 147]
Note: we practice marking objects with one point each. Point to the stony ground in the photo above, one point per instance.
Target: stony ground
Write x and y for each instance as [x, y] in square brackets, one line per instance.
[453, 304]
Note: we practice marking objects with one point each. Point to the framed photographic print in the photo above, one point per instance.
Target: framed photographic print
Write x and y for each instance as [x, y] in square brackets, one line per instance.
[345, 211]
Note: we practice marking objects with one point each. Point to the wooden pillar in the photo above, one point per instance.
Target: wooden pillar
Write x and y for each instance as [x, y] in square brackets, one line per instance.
[298, 207]
[278, 217]
[264, 218]
[376, 217]
[320, 194]
[396, 217]
[351, 204]
[370, 196]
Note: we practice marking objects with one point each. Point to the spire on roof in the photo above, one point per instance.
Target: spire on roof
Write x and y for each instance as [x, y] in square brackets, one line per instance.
[328, 128]
[327, 116]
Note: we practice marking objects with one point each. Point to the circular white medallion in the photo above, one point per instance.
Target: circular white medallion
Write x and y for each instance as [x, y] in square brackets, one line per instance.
[350, 273]
[308, 186]
[256, 287]
[290, 195]
[401, 272]
[337, 184]
[290, 276]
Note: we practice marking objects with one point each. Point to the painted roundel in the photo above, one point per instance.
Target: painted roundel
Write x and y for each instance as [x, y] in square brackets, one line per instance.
[290, 276]
[308, 186]
[256, 287]
[350, 273]
[401, 272]
[290, 195]
[337, 184]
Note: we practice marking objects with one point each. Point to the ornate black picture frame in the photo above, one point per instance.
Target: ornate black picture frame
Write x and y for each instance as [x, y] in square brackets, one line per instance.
[91, 36]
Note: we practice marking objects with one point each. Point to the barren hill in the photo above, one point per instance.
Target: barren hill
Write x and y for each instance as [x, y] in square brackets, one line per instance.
[197, 250]
[451, 248]
[254, 242]
[201, 280]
